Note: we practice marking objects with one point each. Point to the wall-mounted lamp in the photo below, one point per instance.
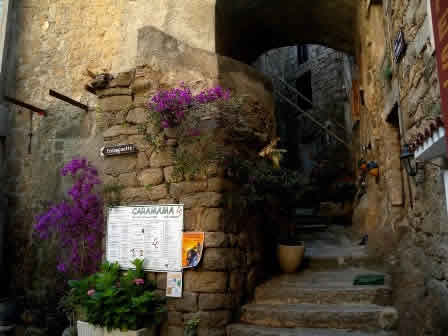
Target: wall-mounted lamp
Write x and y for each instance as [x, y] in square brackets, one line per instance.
[408, 160]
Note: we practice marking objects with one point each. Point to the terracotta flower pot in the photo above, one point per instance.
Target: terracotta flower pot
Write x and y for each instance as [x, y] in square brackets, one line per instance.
[290, 257]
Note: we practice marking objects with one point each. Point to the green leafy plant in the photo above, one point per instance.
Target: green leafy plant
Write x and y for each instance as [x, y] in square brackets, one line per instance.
[387, 71]
[191, 326]
[117, 300]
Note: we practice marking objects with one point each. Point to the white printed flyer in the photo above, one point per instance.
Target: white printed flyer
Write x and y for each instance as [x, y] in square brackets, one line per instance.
[152, 232]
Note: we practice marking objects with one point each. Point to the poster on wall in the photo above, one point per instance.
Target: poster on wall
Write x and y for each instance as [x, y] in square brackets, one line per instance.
[150, 232]
[174, 284]
[192, 248]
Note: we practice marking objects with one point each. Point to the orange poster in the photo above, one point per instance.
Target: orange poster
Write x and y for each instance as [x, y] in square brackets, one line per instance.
[192, 247]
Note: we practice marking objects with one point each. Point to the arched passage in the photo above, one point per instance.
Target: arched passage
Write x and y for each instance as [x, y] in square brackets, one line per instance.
[245, 29]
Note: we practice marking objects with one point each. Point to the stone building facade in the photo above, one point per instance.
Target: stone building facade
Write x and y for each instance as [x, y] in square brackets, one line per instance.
[317, 82]
[406, 221]
[55, 44]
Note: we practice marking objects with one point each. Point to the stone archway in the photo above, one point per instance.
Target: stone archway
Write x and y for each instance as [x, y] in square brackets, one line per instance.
[243, 29]
[246, 29]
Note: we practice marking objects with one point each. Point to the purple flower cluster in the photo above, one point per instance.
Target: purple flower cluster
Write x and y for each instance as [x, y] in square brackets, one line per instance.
[172, 104]
[210, 95]
[77, 222]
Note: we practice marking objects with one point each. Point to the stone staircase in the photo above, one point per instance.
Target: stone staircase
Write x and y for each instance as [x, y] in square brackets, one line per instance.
[321, 300]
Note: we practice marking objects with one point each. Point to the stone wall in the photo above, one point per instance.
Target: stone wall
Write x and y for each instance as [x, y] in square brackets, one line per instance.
[406, 222]
[231, 264]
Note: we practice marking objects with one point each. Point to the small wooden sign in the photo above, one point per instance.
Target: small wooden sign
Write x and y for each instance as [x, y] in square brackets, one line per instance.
[118, 150]
[399, 46]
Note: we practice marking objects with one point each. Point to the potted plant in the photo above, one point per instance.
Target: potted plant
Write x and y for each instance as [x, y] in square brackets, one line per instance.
[270, 192]
[115, 303]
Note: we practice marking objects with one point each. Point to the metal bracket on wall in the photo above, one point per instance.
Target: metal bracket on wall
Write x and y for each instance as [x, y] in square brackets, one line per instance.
[69, 100]
[25, 105]
[32, 109]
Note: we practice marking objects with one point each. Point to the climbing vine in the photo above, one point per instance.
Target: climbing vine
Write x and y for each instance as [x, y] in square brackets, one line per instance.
[178, 115]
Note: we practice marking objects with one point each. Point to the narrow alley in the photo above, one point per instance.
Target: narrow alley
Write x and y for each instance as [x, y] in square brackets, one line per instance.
[223, 168]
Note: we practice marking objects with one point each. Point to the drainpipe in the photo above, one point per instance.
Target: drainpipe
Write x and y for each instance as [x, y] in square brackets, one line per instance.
[8, 31]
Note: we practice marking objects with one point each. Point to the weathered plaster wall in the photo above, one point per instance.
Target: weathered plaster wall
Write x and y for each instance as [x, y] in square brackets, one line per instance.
[407, 223]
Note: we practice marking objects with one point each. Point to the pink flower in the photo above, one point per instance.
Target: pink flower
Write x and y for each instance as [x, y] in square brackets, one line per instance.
[90, 292]
[139, 281]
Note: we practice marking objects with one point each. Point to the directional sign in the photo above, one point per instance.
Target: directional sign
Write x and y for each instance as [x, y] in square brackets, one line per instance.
[118, 150]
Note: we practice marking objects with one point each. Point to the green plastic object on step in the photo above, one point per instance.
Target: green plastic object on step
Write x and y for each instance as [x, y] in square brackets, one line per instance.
[369, 280]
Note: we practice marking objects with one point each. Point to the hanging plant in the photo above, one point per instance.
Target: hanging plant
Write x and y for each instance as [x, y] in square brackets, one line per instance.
[184, 116]
[387, 70]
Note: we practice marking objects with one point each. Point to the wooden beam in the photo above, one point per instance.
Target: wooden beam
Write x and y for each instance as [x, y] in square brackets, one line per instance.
[25, 105]
[69, 100]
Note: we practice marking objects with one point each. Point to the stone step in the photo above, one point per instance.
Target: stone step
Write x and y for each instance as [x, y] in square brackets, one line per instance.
[251, 330]
[328, 287]
[380, 295]
[324, 258]
[323, 278]
[316, 226]
[343, 316]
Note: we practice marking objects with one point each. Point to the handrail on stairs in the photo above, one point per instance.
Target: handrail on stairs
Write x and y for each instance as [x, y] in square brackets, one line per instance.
[305, 113]
[314, 120]
[294, 90]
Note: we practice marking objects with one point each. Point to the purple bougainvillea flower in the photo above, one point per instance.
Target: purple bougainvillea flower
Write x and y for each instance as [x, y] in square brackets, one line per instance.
[165, 124]
[173, 104]
[75, 221]
[62, 268]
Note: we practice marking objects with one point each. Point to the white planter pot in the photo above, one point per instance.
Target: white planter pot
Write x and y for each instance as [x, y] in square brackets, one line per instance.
[141, 332]
[87, 329]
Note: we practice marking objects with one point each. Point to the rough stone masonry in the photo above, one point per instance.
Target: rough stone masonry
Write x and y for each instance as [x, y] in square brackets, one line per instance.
[231, 264]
